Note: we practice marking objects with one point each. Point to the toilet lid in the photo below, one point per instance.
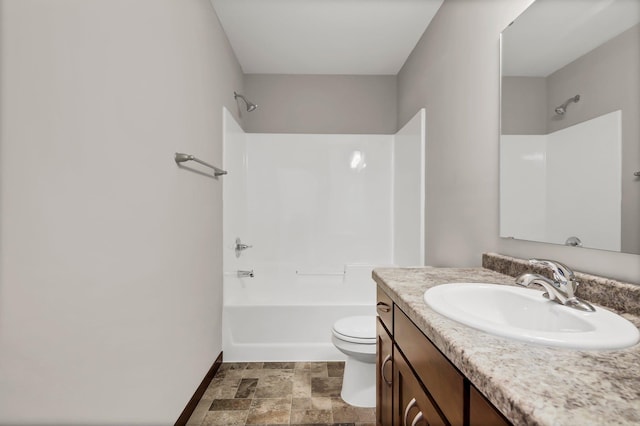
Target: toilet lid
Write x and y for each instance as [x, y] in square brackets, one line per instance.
[359, 327]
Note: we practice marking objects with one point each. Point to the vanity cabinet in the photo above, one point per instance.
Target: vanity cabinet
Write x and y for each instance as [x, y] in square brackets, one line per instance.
[425, 388]
[384, 376]
[412, 405]
[384, 360]
[481, 412]
[384, 307]
[439, 376]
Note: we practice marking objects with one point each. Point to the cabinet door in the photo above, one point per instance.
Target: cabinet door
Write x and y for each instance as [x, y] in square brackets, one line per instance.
[411, 405]
[443, 381]
[384, 376]
[482, 413]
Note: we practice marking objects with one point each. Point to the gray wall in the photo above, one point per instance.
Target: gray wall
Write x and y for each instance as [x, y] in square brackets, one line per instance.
[454, 73]
[607, 79]
[321, 103]
[524, 106]
[111, 260]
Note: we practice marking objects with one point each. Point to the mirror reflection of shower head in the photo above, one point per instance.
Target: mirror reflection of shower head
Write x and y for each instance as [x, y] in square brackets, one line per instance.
[563, 108]
[250, 105]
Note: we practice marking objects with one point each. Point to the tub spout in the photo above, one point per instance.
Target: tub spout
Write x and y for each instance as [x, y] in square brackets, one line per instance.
[245, 274]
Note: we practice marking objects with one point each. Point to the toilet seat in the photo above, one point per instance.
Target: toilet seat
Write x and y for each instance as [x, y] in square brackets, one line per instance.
[356, 329]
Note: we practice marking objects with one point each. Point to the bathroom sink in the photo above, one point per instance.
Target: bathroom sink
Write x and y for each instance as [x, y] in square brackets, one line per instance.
[524, 314]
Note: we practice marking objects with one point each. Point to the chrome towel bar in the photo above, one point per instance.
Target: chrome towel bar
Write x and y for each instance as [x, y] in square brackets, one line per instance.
[181, 158]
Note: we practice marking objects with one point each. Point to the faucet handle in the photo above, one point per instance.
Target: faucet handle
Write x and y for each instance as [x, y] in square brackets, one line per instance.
[239, 247]
[561, 273]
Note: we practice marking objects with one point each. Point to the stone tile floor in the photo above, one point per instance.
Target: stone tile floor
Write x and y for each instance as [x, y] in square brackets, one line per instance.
[278, 393]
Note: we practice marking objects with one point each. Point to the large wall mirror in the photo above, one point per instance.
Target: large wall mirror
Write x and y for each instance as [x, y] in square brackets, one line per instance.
[570, 125]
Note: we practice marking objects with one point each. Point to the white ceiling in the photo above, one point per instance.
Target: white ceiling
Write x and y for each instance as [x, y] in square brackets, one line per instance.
[372, 37]
[553, 33]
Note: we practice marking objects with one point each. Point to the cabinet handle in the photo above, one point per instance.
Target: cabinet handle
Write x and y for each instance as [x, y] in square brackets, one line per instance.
[406, 410]
[386, 359]
[417, 418]
[383, 307]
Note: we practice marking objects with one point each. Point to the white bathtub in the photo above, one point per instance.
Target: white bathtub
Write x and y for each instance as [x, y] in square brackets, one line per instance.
[290, 319]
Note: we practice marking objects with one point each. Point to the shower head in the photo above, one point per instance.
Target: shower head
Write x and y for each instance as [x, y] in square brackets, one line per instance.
[563, 108]
[250, 105]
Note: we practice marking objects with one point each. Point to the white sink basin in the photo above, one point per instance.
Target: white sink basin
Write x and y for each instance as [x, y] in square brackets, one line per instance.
[523, 314]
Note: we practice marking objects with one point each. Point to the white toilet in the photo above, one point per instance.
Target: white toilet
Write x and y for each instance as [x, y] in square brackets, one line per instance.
[356, 338]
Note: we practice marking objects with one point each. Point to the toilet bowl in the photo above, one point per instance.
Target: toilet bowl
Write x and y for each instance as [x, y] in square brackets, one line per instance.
[356, 338]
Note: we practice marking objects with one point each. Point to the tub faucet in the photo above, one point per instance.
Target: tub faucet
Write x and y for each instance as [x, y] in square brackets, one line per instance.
[560, 289]
[245, 274]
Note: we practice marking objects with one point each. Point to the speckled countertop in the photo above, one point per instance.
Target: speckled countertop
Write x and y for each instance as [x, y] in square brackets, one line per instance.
[529, 384]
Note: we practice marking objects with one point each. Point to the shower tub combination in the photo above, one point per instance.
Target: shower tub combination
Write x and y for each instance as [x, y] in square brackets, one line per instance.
[320, 212]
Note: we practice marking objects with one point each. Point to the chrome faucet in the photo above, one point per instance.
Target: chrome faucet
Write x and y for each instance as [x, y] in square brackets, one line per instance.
[561, 288]
[239, 247]
[245, 274]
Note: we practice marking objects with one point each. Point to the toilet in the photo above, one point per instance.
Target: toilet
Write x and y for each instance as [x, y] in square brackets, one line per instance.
[356, 338]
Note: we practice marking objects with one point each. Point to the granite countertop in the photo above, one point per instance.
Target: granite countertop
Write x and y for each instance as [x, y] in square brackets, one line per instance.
[530, 384]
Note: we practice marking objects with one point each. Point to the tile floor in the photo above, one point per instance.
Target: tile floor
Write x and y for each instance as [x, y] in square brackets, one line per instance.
[278, 393]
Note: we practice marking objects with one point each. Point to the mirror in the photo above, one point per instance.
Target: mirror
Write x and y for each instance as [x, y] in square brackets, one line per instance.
[570, 109]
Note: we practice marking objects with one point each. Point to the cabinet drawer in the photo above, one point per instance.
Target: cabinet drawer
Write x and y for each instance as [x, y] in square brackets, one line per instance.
[385, 309]
[482, 412]
[412, 405]
[440, 377]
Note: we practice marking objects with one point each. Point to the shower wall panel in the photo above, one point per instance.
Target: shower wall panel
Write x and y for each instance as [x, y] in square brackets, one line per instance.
[584, 183]
[523, 189]
[316, 203]
[546, 180]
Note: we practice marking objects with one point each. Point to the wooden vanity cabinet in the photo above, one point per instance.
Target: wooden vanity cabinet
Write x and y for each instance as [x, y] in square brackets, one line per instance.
[443, 381]
[481, 411]
[384, 308]
[425, 388]
[412, 405]
[384, 360]
[384, 376]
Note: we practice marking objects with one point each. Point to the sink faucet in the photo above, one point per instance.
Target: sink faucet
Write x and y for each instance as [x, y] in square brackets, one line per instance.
[561, 288]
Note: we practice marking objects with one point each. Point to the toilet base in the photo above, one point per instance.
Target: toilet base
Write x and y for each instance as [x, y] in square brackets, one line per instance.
[359, 383]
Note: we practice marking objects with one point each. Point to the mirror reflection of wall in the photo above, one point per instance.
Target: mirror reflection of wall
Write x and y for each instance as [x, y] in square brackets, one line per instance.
[555, 50]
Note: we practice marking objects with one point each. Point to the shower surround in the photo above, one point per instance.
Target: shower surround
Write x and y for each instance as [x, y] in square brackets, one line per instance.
[319, 212]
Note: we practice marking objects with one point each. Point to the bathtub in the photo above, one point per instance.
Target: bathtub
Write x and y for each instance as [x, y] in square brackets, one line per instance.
[289, 318]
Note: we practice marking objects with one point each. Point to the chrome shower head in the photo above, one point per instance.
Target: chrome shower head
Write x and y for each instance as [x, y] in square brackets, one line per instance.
[563, 108]
[250, 105]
